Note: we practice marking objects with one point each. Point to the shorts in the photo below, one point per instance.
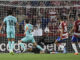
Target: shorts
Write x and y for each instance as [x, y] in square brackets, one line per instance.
[28, 39]
[59, 41]
[75, 39]
[10, 33]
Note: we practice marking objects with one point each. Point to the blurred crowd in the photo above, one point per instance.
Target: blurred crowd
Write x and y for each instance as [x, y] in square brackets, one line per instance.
[42, 3]
[45, 20]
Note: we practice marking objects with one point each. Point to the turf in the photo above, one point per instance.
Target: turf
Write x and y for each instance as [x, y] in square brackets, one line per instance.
[28, 56]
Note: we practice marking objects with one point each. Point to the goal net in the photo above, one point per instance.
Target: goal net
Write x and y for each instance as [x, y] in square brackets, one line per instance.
[45, 17]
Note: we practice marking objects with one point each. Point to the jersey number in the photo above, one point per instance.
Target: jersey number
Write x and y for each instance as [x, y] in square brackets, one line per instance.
[11, 22]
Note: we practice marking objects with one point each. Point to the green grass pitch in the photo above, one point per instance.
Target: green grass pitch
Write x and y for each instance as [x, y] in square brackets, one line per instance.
[28, 56]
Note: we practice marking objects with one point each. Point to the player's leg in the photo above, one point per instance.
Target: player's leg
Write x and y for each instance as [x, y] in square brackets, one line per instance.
[74, 48]
[12, 43]
[9, 44]
[12, 40]
[63, 48]
[38, 46]
[59, 44]
[22, 44]
[56, 41]
[74, 39]
[12, 46]
[79, 42]
[55, 51]
[9, 40]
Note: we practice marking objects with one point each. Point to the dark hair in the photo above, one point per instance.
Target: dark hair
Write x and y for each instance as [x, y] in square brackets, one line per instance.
[27, 21]
[9, 12]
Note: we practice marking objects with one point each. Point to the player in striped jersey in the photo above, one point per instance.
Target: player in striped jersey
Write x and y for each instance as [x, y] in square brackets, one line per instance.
[76, 35]
[63, 35]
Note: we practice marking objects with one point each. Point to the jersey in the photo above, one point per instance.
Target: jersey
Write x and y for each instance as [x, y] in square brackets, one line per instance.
[29, 36]
[77, 28]
[63, 25]
[10, 22]
[30, 28]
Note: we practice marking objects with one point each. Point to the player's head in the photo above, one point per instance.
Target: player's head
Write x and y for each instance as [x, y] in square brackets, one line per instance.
[9, 12]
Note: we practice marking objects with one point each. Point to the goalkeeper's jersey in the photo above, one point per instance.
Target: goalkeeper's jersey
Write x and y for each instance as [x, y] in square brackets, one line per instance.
[30, 28]
[10, 22]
